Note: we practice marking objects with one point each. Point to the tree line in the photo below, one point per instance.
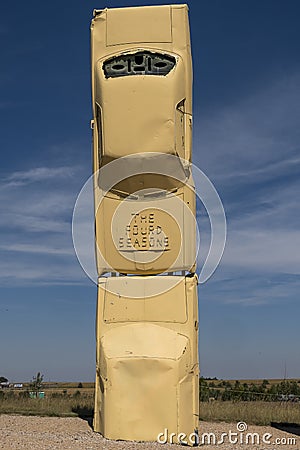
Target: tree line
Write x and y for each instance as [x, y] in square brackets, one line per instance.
[238, 391]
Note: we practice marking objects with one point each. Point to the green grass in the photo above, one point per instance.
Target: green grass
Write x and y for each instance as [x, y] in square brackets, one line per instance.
[255, 413]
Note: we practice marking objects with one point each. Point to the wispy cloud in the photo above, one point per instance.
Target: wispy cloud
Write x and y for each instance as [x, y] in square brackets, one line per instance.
[250, 149]
[266, 171]
[252, 287]
[253, 133]
[37, 271]
[32, 248]
[38, 174]
[35, 225]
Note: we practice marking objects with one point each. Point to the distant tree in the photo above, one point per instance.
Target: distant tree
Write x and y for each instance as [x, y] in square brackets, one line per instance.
[226, 395]
[80, 385]
[204, 390]
[36, 383]
[3, 380]
[265, 384]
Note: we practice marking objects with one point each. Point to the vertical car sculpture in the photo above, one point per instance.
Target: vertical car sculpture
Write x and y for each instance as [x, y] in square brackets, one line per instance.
[147, 311]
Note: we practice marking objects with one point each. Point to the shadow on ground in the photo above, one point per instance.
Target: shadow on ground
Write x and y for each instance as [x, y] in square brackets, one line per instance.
[293, 428]
[85, 414]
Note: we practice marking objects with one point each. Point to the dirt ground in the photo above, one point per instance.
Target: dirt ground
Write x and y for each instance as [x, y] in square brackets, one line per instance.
[45, 433]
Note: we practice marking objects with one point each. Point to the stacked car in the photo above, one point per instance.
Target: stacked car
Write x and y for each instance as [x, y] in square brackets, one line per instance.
[145, 223]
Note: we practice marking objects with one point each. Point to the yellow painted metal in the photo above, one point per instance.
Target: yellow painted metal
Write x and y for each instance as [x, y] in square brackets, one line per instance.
[147, 323]
[146, 357]
[146, 234]
[141, 113]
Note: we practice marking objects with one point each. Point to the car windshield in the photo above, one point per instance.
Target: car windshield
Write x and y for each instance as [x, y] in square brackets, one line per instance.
[154, 173]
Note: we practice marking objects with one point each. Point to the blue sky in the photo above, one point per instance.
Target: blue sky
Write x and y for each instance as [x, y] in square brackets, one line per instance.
[246, 139]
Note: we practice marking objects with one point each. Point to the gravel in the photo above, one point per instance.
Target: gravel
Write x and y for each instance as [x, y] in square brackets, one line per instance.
[45, 433]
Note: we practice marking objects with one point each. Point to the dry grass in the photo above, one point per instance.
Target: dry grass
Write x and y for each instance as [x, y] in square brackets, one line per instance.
[256, 413]
[71, 403]
[60, 405]
[256, 382]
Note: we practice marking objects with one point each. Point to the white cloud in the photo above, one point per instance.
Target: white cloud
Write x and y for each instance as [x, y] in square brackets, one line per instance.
[264, 251]
[38, 174]
[256, 133]
[35, 226]
[27, 270]
[33, 248]
[250, 149]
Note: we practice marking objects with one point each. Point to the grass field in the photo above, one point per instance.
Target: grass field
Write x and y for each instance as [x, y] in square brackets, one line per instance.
[255, 413]
[271, 381]
[62, 405]
[61, 399]
[67, 399]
